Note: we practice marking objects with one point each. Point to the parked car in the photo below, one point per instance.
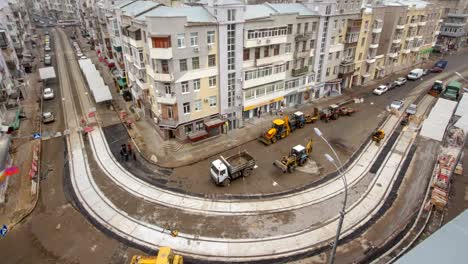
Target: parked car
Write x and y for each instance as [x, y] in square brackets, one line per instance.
[415, 74]
[48, 94]
[83, 57]
[411, 110]
[391, 85]
[79, 54]
[47, 61]
[48, 117]
[380, 90]
[400, 81]
[439, 66]
[397, 104]
[47, 48]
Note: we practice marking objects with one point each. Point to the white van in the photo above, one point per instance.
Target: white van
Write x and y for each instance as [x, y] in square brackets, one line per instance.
[415, 74]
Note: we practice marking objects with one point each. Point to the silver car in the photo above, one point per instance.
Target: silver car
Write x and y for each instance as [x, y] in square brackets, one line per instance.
[397, 104]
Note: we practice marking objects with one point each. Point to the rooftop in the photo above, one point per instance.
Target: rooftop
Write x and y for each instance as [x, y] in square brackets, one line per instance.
[267, 9]
[196, 14]
[446, 245]
[416, 3]
[138, 7]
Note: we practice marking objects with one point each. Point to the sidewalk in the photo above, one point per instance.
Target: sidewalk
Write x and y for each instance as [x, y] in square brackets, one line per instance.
[173, 154]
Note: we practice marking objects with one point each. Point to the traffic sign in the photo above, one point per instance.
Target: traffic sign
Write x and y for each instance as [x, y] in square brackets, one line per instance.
[3, 231]
[37, 135]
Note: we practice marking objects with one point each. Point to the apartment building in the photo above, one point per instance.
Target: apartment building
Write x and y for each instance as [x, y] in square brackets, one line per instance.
[453, 32]
[11, 36]
[279, 48]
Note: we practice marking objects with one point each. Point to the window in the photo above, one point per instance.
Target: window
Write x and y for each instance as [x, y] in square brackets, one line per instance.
[195, 63]
[197, 105]
[266, 51]
[298, 28]
[287, 65]
[186, 107]
[363, 40]
[162, 43]
[328, 72]
[212, 60]
[164, 66]
[246, 54]
[231, 14]
[167, 88]
[311, 78]
[210, 37]
[290, 29]
[276, 50]
[335, 69]
[213, 100]
[180, 41]
[257, 53]
[330, 55]
[188, 128]
[231, 89]
[311, 61]
[199, 126]
[306, 27]
[360, 56]
[287, 48]
[185, 88]
[183, 64]
[304, 46]
[212, 81]
[312, 43]
[314, 26]
[337, 55]
[170, 114]
[194, 39]
[332, 40]
[196, 85]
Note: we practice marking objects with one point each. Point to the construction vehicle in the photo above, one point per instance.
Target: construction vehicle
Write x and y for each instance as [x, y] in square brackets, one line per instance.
[452, 91]
[165, 256]
[297, 121]
[311, 118]
[224, 170]
[330, 113]
[297, 157]
[280, 129]
[346, 111]
[436, 88]
[378, 135]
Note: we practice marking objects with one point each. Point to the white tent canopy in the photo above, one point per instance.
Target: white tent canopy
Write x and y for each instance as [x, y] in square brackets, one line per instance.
[96, 84]
[462, 109]
[436, 123]
[47, 73]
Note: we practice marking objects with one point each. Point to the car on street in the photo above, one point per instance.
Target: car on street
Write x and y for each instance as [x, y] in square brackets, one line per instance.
[48, 94]
[47, 48]
[48, 117]
[397, 104]
[380, 90]
[400, 81]
[391, 85]
[83, 57]
[411, 110]
[415, 74]
[426, 72]
[79, 54]
[47, 61]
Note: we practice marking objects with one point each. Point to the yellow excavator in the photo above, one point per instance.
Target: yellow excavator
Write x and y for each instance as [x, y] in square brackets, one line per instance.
[280, 129]
[297, 157]
[378, 135]
[165, 256]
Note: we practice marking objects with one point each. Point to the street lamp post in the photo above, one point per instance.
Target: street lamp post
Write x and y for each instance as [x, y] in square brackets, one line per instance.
[461, 76]
[343, 178]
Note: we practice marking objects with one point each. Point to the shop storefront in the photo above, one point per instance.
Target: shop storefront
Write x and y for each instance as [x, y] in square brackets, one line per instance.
[271, 106]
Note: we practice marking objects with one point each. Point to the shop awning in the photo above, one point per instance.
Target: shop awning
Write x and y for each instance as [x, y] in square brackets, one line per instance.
[214, 123]
[333, 81]
[247, 108]
[425, 51]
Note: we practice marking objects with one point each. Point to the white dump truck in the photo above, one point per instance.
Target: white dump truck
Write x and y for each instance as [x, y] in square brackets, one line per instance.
[224, 170]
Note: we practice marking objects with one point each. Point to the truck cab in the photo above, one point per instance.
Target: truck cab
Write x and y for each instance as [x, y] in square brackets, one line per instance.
[218, 171]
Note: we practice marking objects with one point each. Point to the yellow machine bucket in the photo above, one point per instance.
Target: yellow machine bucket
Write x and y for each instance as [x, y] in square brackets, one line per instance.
[280, 165]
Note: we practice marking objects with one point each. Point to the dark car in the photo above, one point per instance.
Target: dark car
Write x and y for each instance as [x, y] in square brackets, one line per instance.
[391, 85]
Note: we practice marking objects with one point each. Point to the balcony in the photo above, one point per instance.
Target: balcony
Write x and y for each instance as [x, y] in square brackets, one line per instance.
[413, 25]
[267, 79]
[446, 24]
[300, 71]
[142, 84]
[396, 40]
[135, 43]
[379, 56]
[302, 36]
[374, 45]
[303, 54]
[250, 43]
[436, 33]
[377, 29]
[163, 77]
[169, 99]
[393, 55]
[346, 69]
[414, 49]
[370, 60]
[457, 34]
[405, 51]
[168, 122]
[269, 60]
[410, 38]
[422, 23]
[400, 27]
[161, 54]
[336, 48]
